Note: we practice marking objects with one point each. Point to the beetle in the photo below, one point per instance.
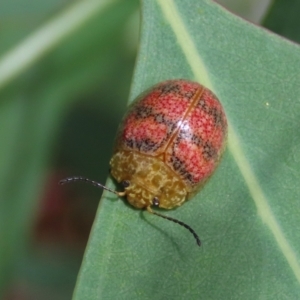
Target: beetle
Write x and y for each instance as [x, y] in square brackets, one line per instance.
[168, 145]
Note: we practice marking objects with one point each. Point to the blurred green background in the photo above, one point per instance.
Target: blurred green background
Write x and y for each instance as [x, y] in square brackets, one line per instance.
[58, 117]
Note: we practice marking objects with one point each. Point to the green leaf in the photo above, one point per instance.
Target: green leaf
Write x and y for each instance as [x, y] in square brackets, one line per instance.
[247, 215]
[37, 87]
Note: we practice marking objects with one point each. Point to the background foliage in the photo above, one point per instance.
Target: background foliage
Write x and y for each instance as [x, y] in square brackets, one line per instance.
[59, 117]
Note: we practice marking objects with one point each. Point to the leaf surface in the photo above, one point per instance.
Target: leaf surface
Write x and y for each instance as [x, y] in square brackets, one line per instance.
[247, 215]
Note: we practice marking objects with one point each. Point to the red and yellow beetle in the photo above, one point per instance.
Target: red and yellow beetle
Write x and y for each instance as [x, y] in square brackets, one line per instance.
[169, 143]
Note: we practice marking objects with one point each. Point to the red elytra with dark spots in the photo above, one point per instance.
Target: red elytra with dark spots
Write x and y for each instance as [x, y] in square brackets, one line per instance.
[168, 145]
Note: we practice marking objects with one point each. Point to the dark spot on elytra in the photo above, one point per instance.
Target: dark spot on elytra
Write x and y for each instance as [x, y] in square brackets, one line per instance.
[209, 152]
[170, 87]
[148, 144]
[129, 143]
[176, 163]
[144, 145]
[181, 170]
[143, 112]
[218, 116]
[197, 140]
[160, 118]
[189, 177]
[203, 106]
[190, 94]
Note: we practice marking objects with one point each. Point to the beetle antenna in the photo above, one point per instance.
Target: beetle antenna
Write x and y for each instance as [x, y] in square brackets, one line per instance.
[121, 194]
[190, 229]
[94, 183]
